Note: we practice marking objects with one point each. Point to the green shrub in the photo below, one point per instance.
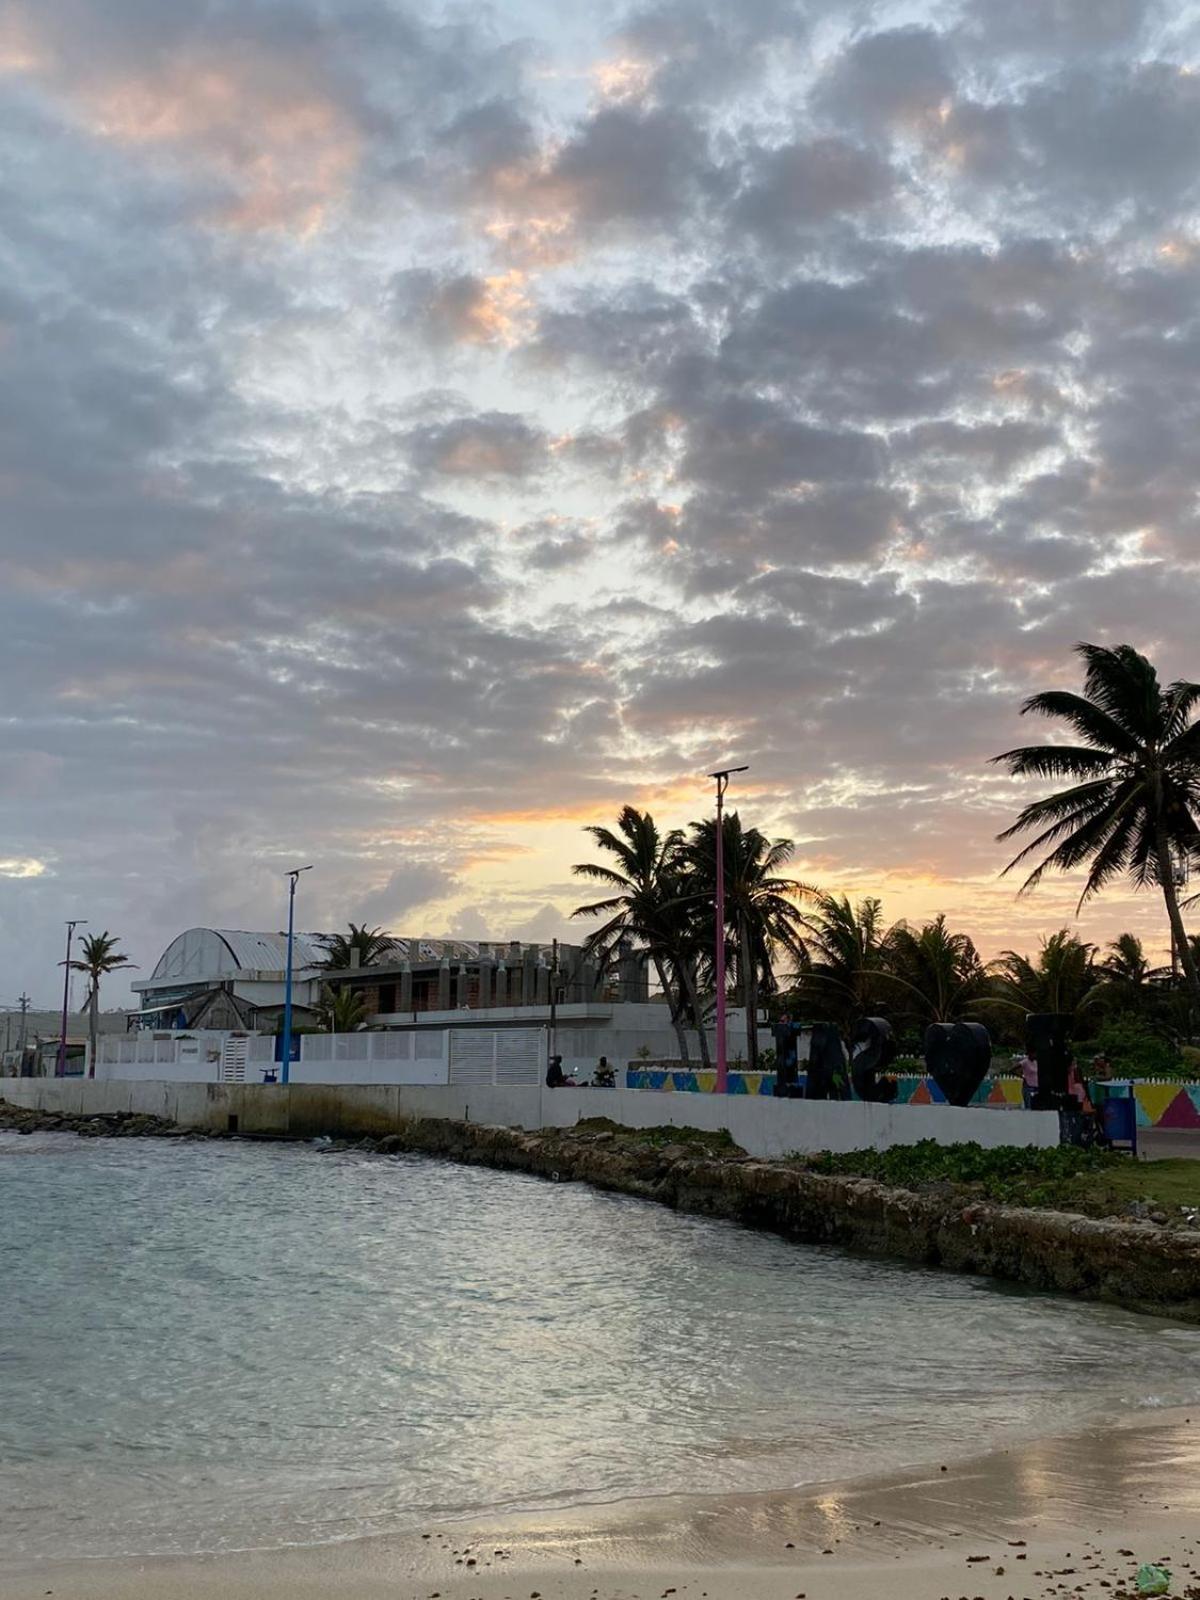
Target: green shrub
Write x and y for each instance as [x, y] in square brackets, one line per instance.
[1136, 1050]
[1011, 1173]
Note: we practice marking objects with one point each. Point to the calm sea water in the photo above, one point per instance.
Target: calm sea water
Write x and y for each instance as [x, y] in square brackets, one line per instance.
[208, 1347]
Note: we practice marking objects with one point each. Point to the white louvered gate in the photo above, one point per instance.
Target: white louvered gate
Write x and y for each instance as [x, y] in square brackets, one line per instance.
[497, 1055]
[234, 1053]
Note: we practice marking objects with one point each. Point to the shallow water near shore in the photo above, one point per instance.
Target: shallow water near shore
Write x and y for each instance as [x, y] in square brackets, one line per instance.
[230, 1346]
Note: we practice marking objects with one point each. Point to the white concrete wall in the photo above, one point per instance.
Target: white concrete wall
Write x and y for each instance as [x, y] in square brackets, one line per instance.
[762, 1126]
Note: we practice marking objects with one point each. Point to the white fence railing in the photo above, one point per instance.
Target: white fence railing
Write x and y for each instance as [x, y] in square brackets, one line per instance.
[415, 1056]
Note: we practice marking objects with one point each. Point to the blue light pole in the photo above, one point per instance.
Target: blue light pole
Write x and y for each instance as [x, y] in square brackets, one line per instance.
[287, 993]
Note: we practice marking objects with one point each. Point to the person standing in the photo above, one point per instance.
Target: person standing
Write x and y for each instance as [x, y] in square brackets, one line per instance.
[1028, 1068]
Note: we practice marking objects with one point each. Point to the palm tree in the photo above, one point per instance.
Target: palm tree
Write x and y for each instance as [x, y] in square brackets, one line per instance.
[648, 905]
[100, 956]
[368, 944]
[760, 905]
[938, 972]
[847, 951]
[1127, 970]
[1131, 809]
[1064, 978]
[341, 1010]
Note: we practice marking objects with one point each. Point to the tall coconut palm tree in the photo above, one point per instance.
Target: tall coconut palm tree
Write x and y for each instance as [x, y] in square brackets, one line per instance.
[937, 974]
[1127, 970]
[760, 905]
[368, 944]
[99, 957]
[647, 904]
[1064, 978]
[847, 956]
[1131, 810]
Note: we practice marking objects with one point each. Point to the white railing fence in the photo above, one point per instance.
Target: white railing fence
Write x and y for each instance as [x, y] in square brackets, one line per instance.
[425, 1056]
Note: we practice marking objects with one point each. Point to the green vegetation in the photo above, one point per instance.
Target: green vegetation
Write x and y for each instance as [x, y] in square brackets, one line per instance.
[360, 947]
[1095, 1183]
[703, 1143]
[1131, 808]
[662, 890]
[1131, 811]
[99, 957]
[1142, 1052]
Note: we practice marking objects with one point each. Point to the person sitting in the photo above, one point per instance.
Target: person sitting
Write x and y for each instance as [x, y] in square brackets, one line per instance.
[555, 1077]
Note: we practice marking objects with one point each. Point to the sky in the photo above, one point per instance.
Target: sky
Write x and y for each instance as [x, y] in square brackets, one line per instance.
[425, 429]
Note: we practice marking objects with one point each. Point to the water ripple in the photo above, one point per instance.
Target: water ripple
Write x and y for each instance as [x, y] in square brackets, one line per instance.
[216, 1346]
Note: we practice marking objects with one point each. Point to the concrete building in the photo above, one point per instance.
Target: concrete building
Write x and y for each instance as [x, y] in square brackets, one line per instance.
[40, 1032]
[226, 978]
[223, 979]
[439, 975]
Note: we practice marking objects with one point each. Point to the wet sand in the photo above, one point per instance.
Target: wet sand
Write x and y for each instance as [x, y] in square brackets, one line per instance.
[1056, 1519]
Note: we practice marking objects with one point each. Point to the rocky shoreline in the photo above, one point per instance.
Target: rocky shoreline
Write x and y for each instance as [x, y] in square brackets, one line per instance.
[1138, 1265]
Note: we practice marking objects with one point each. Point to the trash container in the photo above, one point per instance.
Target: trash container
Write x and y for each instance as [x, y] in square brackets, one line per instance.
[1117, 1110]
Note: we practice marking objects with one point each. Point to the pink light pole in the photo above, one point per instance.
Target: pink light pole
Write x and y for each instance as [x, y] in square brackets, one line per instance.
[722, 1062]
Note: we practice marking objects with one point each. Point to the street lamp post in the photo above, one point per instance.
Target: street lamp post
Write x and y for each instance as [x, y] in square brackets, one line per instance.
[286, 1063]
[722, 780]
[60, 1068]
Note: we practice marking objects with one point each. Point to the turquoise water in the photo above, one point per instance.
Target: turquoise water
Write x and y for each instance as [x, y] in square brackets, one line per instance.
[221, 1346]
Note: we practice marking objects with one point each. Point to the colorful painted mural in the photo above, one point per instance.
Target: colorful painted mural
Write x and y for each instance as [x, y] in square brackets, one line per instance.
[1159, 1105]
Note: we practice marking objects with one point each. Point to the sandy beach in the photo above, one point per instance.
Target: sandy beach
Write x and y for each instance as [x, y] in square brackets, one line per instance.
[1051, 1520]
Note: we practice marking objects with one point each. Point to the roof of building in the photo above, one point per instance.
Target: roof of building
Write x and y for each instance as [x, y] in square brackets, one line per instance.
[208, 955]
[267, 952]
[204, 955]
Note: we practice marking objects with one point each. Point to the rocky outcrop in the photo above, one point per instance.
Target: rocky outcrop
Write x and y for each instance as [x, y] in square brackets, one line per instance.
[115, 1125]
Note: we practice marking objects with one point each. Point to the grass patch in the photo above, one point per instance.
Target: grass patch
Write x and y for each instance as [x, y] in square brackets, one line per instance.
[704, 1143]
[1095, 1183]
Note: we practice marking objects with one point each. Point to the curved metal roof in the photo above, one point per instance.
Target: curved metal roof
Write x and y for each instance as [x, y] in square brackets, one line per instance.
[267, 952]
[199, 955]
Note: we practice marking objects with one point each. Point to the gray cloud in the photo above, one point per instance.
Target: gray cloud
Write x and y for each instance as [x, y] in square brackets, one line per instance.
[406, 430]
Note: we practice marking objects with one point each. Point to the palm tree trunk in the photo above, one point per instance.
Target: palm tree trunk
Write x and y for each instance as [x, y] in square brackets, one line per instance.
[687, 982]
[675, 1009]
[1175, 916]
[93, 1024]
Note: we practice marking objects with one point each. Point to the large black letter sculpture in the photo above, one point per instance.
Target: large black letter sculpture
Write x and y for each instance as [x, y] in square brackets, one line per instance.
[787, 1058]
[827, 1078]
[1048, 1041]
[957, 1056]
[872, 1051]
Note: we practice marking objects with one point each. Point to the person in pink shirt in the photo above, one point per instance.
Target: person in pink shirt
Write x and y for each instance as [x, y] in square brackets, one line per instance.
[1028, 1069]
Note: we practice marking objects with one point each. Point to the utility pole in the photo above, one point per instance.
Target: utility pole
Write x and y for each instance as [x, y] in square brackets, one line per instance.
[23, 1002]
[60, 1069]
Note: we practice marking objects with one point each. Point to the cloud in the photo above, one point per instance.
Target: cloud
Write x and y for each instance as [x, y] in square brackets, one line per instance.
[796, 185]
[21, 867]
[462, 308]
[492, 445]
[407, 889]
[895, 80]
[418, 437]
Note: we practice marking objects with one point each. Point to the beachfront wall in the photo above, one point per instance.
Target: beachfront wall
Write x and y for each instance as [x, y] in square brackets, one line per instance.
[760, 1125]
[1159, 1104]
